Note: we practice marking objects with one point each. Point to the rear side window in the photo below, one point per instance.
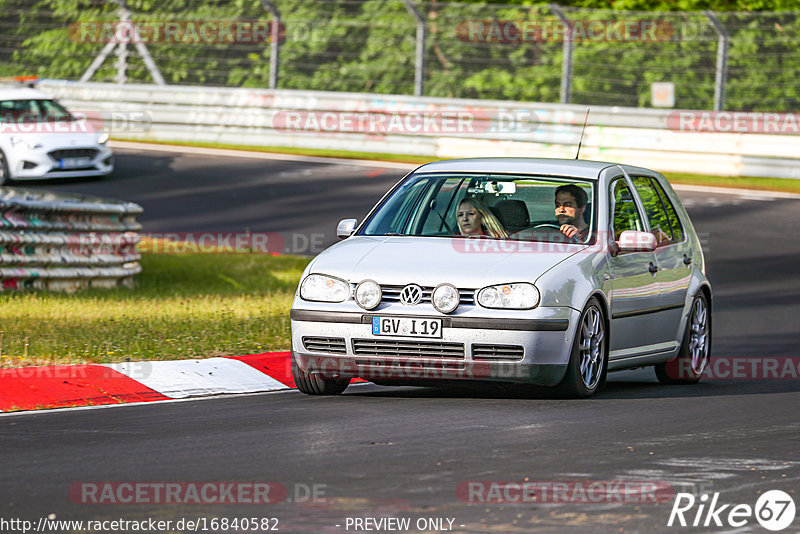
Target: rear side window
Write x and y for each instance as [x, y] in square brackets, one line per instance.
[626, 216]
[672, 215]
[664, 223]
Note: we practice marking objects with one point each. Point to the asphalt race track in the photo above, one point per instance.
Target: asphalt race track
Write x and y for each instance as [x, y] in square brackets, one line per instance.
[408, 453]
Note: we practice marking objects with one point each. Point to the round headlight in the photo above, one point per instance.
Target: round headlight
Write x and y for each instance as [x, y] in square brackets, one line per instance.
[319, 287]
[368, 294]
[445, 298]
[521, 296]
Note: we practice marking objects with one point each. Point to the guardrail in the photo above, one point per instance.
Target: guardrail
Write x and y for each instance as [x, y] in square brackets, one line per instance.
[397, 124]
[66, 242]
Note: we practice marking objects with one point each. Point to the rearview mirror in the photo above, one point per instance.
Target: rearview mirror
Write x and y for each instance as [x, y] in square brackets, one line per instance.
[635, 241]
[345, 228]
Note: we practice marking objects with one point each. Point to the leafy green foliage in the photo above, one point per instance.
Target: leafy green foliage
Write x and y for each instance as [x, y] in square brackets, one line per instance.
[369, 46]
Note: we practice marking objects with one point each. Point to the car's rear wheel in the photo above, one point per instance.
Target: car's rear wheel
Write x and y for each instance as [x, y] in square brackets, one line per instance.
[695, 351]
[316, 384]
[588, 363]
[4, 174]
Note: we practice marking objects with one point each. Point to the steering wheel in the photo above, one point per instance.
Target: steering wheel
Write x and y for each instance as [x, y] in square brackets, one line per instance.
[573, 239]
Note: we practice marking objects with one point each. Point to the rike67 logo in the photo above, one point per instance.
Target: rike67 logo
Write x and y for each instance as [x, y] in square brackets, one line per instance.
[774, 510]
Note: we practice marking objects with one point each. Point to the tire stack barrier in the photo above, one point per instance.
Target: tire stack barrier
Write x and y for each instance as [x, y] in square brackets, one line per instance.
[66, 242]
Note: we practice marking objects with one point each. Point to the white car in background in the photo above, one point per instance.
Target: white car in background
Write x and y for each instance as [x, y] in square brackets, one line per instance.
[40, 139]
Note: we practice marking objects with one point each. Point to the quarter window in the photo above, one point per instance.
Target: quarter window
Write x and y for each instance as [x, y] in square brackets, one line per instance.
[662, 224]
[672, 215]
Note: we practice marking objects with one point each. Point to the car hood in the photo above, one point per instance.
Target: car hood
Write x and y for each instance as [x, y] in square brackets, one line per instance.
[429, 261]
[57, 140]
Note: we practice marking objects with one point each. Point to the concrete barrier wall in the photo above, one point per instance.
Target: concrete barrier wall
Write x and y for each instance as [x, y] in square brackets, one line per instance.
[258, 117]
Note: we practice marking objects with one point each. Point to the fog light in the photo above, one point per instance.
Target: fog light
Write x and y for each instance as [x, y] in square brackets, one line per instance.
[445, 298]
[368, 294]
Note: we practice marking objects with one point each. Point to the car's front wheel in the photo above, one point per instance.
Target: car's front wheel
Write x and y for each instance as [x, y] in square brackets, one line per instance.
[588, 363]
[316, 384]
[695, 351]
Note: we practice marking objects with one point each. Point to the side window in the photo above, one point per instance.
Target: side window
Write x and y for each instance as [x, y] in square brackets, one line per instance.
[654, 209]
[626, 216]
[672, 215]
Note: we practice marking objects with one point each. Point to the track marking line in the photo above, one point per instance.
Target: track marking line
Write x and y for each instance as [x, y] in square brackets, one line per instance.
[263, 155]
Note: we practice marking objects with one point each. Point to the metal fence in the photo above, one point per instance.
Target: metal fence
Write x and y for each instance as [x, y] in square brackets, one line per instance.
[540, 53]
[66, 242]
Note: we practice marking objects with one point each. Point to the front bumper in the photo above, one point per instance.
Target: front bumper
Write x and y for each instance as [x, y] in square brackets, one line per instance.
[533, 347]
[40, 164]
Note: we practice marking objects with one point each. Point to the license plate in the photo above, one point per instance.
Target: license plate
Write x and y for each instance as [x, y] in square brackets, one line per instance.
[406, 326]
[73, 163]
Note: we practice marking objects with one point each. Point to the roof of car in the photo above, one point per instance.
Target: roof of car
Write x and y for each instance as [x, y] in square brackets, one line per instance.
[543, 166]
[22, 93]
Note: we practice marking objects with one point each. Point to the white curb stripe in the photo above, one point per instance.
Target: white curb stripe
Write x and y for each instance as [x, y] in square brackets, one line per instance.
[251, 154]
[186, 378]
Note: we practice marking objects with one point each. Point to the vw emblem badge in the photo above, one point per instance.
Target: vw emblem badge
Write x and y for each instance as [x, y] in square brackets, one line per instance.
[411, 295]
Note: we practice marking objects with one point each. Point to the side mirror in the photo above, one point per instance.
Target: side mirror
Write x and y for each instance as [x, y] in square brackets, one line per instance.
[635, 241]
[345, 228]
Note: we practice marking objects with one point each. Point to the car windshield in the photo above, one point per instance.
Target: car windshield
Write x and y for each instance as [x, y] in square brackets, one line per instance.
[499, 206]
[33, 110]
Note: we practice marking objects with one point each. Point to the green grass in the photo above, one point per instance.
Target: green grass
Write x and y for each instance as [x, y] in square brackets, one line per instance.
[184, 306]
[744, 182]
[788, 185]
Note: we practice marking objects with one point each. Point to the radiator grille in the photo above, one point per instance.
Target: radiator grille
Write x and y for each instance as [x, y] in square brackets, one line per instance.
[392, 294]
[407, 349]
[332, 345]
[73, 153]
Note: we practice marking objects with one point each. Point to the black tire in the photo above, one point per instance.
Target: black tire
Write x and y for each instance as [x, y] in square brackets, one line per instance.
[695, 352]
[4, 174]
[315, 384]
[588, 362]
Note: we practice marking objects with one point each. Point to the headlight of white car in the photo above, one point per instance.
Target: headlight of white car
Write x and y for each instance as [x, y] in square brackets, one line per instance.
[320, 287]
[23, 143]
[102, 139]
[368, 294]
[520, 296]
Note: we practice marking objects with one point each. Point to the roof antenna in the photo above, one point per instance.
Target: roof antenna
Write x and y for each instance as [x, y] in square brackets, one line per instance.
[585, 119]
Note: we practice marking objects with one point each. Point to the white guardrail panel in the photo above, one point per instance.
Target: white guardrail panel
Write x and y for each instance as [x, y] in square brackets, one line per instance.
[66, 242]
[257, 117]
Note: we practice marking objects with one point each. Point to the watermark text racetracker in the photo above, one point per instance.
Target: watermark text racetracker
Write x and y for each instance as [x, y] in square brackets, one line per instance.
[76, 122]
[176, 31]
[197, 492]
[407, 122]
[556, 31]
[236, 242]
[735, 122]
[744, 368]
[565, 492]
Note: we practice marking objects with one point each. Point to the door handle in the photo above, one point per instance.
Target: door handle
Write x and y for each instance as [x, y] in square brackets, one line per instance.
[687, 259]
[653, 268]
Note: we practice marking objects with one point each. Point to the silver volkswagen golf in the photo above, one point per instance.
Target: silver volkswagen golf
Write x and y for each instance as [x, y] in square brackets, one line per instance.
[540, 271]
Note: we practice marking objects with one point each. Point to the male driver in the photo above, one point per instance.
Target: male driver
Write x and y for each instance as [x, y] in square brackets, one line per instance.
[570, 205]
